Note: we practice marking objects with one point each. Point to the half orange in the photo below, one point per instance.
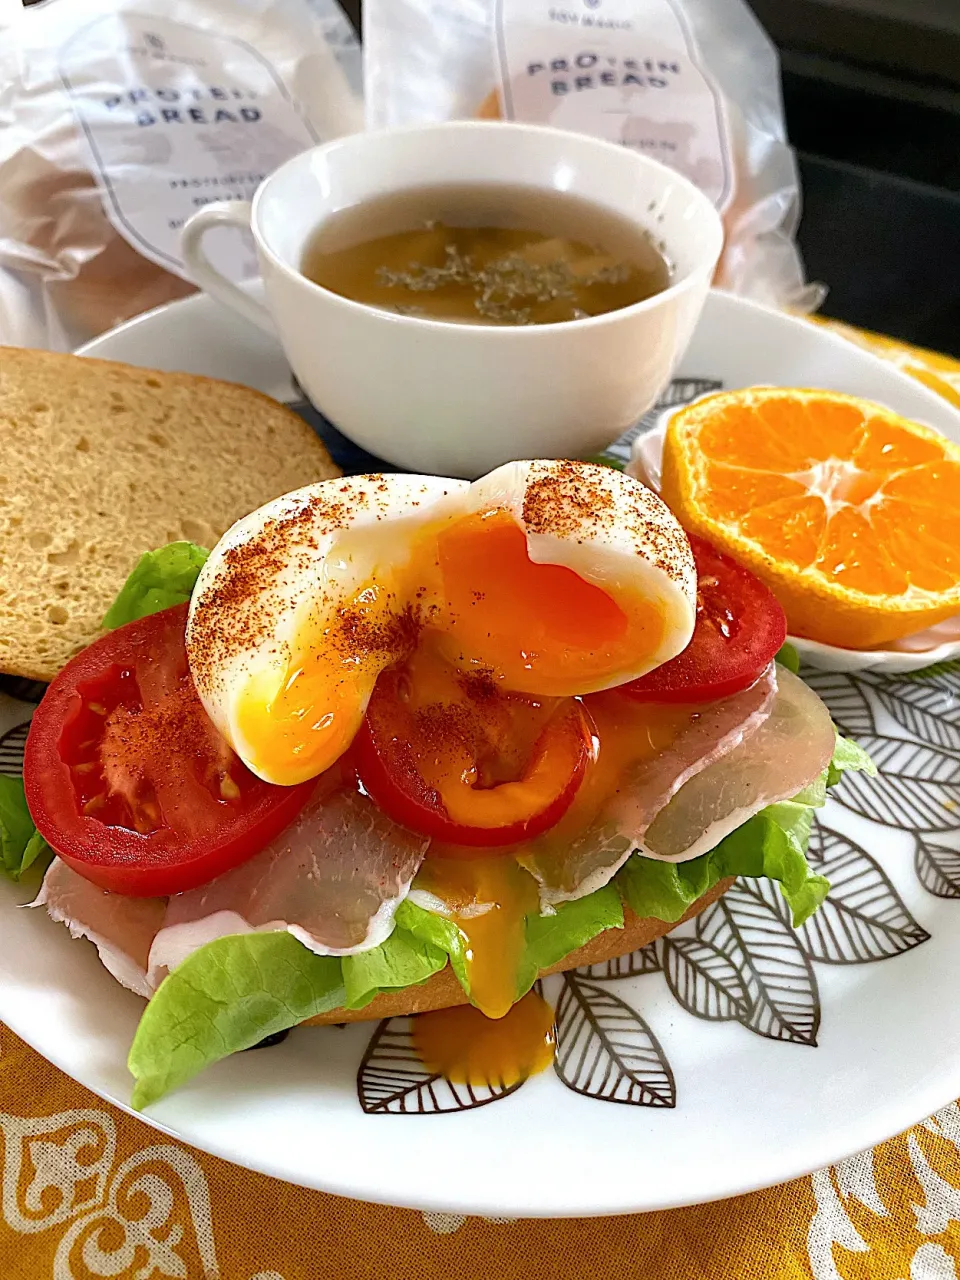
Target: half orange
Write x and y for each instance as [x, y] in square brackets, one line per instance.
[849, 513]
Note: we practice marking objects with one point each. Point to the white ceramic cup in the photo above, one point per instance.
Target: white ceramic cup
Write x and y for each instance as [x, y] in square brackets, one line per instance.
[459, 399]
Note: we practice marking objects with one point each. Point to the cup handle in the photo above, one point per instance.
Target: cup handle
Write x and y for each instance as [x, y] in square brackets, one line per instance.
[221, 213]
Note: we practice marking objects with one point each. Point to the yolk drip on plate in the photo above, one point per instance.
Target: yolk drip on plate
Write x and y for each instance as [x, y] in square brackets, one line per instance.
[464, 1046]
[470, 589]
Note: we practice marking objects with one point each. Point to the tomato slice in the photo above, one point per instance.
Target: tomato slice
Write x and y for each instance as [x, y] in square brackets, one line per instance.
[127, 778]
[474, 772]
[739, 628]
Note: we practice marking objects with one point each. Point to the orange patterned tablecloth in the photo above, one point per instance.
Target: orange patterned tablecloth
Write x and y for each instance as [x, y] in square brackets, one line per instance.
[88, 1192]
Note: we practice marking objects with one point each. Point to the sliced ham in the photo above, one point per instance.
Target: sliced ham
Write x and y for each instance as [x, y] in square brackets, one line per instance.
[336, 876]
[122, 929]
[790, 749]
[333, 879]
[590, 861]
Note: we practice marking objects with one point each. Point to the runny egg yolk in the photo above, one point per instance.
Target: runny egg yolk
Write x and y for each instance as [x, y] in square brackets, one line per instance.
[295, 722]
[488, 899]
[627, 734]
[470, 592]
[541, 627]
[465, 1047]
[499, 1042]
[480, 740]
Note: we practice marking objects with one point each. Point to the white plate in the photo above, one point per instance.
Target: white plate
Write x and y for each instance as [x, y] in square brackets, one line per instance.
[922, 649]
[750, 1110]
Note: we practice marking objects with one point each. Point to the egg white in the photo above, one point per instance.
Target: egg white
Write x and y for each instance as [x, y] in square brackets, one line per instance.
[317, 547]
[320, 544]
[613, 532]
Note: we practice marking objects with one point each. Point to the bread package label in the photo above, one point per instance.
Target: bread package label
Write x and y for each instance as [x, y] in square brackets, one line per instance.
[176, 118]
[116, 126]
[692, 83]
[628, 71]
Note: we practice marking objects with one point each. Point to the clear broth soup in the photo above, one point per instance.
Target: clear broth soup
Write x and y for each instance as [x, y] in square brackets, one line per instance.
[486, 254]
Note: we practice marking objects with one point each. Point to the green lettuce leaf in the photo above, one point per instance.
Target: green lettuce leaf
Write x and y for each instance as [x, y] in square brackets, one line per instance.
[606, 460]
[404, 960]
[773, 843]
[161, 579]
[550, 938]
[848, 755]
[21, 844]
[437, 931]
[788, 657]
[229, 995]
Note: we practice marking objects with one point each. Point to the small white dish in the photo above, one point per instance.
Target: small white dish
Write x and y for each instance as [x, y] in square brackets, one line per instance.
[923, 649]
[730, 1105]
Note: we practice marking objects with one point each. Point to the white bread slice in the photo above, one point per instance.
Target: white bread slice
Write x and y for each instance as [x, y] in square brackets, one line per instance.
[100, 462]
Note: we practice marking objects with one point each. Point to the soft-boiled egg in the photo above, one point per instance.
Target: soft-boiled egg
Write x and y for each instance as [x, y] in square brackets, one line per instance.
[565, 578]
[553, 578]
[299, 608]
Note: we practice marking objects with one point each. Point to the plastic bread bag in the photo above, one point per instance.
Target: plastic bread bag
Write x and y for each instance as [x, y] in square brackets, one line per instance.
[115, 126]
[694, 83]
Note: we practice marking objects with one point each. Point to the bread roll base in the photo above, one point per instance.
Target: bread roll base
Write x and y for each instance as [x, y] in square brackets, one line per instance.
[442, 991]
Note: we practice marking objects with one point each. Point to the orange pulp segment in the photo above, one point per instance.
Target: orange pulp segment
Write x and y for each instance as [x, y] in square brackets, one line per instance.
[849, 513]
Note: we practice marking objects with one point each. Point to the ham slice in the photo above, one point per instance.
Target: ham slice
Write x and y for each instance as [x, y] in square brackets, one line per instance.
[590, 861]
[122, 929]
[336, 876]
[333, 879]
[789, 750]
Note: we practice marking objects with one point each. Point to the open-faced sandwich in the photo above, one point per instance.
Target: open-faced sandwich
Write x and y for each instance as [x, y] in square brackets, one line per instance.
[403, 743]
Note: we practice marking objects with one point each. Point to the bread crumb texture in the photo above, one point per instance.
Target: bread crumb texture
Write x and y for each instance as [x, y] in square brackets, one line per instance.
[100, 462]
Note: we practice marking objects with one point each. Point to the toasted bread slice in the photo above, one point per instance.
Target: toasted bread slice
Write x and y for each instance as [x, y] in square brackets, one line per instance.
[100, 462]
[442, 991]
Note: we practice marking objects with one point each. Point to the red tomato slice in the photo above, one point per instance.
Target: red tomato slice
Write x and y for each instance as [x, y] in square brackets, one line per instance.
[478, 775]
[740, 626]
[127, 778]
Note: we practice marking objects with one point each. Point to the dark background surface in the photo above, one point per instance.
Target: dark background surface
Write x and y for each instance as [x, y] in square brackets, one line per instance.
[872, 96]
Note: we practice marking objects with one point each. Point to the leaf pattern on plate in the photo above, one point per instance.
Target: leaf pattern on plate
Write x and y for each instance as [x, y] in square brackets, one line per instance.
[928, 710]
[938, 867]
[633, 965]
[704, 979]
[783, 1001]
[605, 1050]
[392, 1079]
[845, 699]
[679, 391]
[864, 918]
[947, 672]
[683, 390]
[918, 786]
[11, 750]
